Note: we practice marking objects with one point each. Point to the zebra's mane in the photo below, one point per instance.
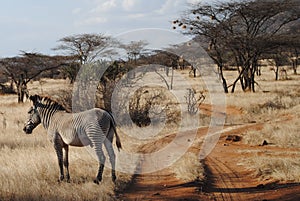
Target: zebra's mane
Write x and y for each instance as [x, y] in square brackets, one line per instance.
[48, 101]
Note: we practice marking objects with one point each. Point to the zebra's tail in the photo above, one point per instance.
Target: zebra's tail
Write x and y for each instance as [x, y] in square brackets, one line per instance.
[118, 141]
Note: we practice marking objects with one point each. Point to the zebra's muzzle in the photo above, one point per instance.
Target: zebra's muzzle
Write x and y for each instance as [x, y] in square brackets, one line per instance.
[28, 128]
[27, 131]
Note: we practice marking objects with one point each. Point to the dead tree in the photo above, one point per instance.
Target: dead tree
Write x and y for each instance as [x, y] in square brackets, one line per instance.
[193, 103]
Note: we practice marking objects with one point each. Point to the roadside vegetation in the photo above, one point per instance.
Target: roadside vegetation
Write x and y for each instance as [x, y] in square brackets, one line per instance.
[249, 42]
[273, 151]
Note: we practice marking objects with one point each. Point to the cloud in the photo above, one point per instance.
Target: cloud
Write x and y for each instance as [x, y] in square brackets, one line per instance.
[169, 6]
[104, 6]
[91, 21]
[137, 15]
[76, 11]
[121, 13]
[193, 1]
[109, 4]
[129, 4]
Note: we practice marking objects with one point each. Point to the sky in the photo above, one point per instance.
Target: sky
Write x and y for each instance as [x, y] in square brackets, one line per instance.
[36, 25]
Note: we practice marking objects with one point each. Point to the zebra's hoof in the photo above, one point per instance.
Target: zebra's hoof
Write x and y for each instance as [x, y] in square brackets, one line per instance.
[114, 178]
[68, 179]
[97, 181]
[61, 178]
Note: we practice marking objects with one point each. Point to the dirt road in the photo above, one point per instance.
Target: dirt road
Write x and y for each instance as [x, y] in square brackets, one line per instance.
[229, 181]
[226, 180]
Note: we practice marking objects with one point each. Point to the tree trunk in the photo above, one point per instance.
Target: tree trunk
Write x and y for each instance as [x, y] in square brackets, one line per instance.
[247, 82]
[11, 86]
[240, 78]
[223, 79]
[295, 61]
[254, 70]
[242, 83]
[258, 71]
[253, 82]
[295, 64]
[20, 94]
[276, 72]
[225, 85]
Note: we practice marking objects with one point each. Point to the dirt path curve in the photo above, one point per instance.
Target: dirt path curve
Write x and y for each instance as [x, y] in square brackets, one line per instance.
[226, 179]
[161, 185]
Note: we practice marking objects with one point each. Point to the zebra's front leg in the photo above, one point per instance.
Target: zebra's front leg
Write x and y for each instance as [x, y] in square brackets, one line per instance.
[66, 162]
[58, 145]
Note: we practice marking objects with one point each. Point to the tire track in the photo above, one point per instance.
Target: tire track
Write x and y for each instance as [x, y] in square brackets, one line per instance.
[219, 184]
[223, 181]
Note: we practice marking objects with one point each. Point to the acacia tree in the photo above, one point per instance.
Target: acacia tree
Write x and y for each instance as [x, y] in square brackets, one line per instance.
[285, 51]
[22, 69]
[134, 49]
[87, 47]
[292, 44]
[241, 29]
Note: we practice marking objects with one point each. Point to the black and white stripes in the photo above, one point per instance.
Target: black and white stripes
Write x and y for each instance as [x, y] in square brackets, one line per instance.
[93, 127]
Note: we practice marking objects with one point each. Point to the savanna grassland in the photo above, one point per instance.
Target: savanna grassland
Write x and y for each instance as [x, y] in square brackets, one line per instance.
[276, 109]
[29, 169]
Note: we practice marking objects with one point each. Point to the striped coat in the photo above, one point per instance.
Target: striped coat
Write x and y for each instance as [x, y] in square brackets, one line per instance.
[93, 128]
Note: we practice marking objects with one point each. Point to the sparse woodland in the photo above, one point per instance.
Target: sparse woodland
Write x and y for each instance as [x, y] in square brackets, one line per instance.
[255, 47]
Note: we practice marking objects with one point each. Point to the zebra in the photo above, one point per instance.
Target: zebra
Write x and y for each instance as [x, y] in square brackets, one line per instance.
[88, 128]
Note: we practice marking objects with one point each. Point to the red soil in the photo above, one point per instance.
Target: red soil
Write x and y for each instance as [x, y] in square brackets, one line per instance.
[226, 180]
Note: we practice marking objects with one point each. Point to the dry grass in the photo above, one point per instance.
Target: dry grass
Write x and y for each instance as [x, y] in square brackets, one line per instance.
[271, 99]
[188, 168]
[281, 110]
[277, 105]
[283, 169]
[31, 174]
[277, 165]
[29, 168]
[278, 134]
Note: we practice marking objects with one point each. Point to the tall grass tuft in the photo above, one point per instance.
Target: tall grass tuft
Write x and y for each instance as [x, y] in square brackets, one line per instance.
[278, 134]
[188, 168]
[276, 168]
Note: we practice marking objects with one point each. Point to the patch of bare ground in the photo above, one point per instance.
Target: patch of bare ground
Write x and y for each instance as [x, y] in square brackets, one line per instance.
[227, 179]
[181, 181]
[161, 185]
[226, 176]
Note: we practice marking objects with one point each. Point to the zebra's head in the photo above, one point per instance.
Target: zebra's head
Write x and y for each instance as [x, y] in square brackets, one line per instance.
[33, 120]
[33, 117]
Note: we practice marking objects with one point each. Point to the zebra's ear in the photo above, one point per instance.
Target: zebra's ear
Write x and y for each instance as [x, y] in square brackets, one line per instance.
[34, 98]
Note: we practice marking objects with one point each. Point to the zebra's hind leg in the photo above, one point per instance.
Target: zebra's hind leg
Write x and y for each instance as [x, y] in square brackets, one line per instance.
[98, 179]
[66, 162]
[112, 158]
[101, 159]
